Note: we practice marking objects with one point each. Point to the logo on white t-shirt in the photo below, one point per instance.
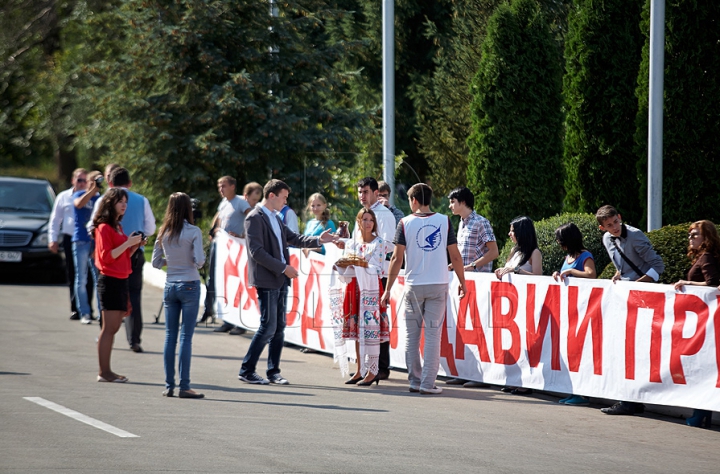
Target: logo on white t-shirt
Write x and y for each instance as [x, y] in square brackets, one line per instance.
[428, 237]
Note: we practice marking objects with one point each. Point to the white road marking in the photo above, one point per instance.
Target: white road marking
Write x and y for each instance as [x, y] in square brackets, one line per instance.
[80, 417]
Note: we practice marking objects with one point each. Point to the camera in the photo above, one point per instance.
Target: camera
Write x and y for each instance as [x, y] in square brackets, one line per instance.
[196, 211]
[99, 180]
[141, 234]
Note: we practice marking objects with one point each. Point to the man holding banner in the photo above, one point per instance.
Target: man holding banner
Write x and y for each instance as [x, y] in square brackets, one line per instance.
[635, 259]
[269, 272]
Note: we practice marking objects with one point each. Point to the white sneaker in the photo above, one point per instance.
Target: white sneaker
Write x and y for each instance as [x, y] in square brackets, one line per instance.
[85, 319]
[431, 391]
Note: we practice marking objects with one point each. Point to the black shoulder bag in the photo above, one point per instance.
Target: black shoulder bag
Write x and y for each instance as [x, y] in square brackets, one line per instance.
[627, 260]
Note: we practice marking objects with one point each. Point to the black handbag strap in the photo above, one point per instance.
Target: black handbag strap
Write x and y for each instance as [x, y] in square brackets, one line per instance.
[627, 260]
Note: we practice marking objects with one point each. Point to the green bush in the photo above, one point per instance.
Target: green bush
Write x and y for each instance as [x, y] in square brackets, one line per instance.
[552, 254]
[671, 243]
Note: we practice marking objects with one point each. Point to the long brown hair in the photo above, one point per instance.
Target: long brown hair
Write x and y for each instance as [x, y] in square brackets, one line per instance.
[106, 213]
[710, 243]
[362, 213]
[179, 210]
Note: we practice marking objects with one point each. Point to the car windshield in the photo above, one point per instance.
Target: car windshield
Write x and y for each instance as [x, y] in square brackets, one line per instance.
[24, 196]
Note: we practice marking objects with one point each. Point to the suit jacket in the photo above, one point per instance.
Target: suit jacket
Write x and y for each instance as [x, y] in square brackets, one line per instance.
[265, 266]
[636, 247]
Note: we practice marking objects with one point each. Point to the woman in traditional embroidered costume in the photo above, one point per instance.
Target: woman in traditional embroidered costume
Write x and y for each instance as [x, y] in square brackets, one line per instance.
[363, 319]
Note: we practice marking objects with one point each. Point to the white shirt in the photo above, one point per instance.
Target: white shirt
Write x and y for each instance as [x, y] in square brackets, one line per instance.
[62, 219]
[276, 229]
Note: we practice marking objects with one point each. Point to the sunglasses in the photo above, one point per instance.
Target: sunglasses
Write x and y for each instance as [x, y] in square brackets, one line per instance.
[81, 180]
[693, 235]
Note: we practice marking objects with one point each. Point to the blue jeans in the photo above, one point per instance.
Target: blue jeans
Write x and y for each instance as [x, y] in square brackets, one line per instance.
[271, 330]
[180, 296]
[82, 252]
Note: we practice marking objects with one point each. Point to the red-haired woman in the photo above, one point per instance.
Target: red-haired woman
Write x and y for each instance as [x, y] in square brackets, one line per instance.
[704, 251]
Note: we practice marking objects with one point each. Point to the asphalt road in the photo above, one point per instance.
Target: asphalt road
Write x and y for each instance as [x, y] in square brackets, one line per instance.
[316, 424]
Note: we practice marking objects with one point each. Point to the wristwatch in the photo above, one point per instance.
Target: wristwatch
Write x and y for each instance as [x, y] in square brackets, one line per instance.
[517, 269]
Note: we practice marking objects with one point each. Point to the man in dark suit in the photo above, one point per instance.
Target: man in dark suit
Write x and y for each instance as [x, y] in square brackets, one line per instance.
[270, 272]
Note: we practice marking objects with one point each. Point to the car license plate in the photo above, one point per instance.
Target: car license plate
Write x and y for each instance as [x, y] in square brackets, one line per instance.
[10, 256]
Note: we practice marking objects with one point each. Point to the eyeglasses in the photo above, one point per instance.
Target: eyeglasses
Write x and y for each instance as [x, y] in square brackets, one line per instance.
[694, 235]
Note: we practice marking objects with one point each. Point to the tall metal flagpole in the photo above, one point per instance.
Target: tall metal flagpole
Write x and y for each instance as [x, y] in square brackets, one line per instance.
[655, 115]
[388, 44]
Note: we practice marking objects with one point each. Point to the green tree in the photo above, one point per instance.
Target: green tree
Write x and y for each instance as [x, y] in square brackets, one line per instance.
[205, 88]
[29, 36]
[444, 111]
[599, 88]
[691, 120]
[515, 146]
[443, 101]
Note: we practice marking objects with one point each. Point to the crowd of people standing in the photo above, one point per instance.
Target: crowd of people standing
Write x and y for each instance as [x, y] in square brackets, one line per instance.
[102, 235]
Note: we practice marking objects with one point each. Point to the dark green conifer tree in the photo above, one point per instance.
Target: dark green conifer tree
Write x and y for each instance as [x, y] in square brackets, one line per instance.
[515, 147]
[602, 57]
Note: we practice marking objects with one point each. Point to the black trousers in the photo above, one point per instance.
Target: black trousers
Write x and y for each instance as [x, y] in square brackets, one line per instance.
[210, 284]
[70, 274]
[384, 361]
[134, 322]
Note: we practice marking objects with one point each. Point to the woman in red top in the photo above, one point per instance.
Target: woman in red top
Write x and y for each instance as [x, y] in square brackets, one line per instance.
[704, 251]
[112, 259]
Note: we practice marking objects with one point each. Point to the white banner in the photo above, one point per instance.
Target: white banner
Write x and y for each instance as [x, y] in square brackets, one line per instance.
[638, 342]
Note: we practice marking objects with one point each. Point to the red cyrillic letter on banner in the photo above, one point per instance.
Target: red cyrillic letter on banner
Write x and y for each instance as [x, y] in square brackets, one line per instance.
[649, 300]
[683, 346]
[576, 337]
[498, 291]
[474, 336]
[549, 314]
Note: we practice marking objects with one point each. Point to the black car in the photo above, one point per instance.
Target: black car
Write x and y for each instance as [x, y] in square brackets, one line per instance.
[25, 207]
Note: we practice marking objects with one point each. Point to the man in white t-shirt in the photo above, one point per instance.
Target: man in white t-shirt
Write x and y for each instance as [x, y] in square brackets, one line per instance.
[425, 239]
[368, 197]
[230, 217]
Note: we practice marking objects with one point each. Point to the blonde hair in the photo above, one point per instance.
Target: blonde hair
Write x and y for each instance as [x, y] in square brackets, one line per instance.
[325, 216]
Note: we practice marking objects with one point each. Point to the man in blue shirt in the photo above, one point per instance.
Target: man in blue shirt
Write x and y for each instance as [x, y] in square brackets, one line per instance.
[138, 218]
[83, 246]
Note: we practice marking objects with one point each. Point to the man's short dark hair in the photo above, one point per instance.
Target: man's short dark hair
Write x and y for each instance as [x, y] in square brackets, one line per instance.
[421, 192]
[463, 194]
[383, 187]
[274, 186]
[120, 177]
[604, 213]
[368, 182]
